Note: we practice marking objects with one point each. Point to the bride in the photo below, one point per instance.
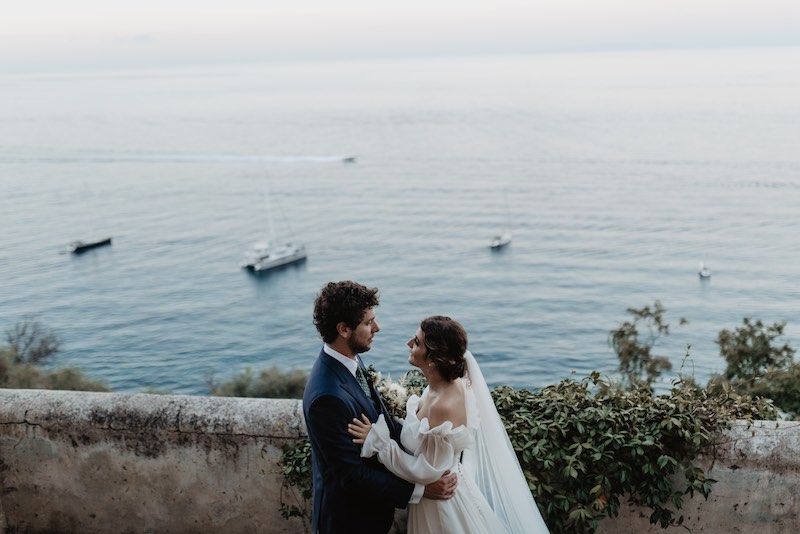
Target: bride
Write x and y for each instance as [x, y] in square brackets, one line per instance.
[454, 427]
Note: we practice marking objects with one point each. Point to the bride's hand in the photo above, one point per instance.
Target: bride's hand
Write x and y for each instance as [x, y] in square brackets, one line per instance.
[359, 429]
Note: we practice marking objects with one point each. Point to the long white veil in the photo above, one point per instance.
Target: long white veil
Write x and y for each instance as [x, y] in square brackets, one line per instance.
[495, 465]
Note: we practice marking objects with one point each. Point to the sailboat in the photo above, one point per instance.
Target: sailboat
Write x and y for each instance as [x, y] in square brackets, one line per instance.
[272, 253]
[704, 271]
[504, 238]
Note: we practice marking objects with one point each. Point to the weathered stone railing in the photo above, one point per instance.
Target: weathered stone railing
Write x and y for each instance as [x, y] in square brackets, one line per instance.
[116, 463]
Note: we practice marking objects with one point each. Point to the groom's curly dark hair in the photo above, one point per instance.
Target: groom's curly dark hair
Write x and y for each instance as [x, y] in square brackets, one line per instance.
[342, 302]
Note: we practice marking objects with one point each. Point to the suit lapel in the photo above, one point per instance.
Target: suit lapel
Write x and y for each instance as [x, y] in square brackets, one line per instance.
[382, 407]
[349, 383]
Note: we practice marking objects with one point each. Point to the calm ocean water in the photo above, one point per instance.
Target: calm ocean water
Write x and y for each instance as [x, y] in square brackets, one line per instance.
[619, 173]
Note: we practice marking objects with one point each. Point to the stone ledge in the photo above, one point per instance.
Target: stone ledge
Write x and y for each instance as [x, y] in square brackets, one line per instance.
[276, 418]
[86, 463]
[73, 462]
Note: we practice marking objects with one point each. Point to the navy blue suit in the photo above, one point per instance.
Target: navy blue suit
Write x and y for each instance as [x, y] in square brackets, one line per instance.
[351, 494]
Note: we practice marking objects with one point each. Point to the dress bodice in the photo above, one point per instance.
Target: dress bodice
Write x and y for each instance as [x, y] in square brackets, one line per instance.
[419, 438]
[430, 451]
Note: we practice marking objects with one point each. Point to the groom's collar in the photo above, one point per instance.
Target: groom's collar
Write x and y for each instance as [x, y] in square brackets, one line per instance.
[349, 363]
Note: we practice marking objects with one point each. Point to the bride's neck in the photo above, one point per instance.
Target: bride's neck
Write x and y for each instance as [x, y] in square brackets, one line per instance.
[436, 383]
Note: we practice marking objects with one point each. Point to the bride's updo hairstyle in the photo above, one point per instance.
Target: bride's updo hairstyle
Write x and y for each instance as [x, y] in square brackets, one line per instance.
[446, 343]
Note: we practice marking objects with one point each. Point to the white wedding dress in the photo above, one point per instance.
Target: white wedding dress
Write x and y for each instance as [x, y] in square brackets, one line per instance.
[492, 495]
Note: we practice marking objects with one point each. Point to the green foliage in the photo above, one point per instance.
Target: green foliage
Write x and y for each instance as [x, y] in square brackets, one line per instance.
[296, 466]
[271, 383]
[749, 350]
[14, 375]
[29, 343]
[637, 363]
[585, 445]
[782, 386]
[758, 366]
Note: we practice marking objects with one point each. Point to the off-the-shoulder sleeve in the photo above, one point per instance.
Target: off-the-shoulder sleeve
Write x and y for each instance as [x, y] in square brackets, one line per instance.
[435, 456]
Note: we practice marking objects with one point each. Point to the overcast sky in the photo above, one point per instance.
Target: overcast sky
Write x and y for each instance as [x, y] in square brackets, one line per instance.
[64, 34]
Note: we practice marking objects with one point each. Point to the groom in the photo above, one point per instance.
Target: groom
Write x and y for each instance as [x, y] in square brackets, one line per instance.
[351, 494]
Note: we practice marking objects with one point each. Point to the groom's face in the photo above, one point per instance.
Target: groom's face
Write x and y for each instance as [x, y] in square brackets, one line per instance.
[360, 339]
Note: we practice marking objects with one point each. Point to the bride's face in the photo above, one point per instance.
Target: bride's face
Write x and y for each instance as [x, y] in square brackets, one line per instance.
[418, 355]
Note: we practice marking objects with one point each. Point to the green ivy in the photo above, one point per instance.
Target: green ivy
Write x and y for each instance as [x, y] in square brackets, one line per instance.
[585, 445]
[296, 467]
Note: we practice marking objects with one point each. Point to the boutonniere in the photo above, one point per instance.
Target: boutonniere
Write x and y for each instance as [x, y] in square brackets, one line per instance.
[374, 376]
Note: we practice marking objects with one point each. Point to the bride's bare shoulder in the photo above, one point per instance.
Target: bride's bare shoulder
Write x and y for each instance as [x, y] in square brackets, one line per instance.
[449, 407]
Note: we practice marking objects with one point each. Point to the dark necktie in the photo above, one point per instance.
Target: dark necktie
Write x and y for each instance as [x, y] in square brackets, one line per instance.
[362, 381]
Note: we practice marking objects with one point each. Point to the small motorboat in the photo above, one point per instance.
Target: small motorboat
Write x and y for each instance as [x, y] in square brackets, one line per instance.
[704, 271]
[79, 247]
[349, 159]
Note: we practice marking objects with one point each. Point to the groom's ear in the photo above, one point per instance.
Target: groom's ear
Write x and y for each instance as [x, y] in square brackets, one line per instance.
[343, 330]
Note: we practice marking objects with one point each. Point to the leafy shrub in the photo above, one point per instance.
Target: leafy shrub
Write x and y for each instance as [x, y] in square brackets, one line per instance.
[296, 468]
[583, 451]
[749, 350]
[782, 386]
[15, 375]
[638, 365]
[759, 366]
[271, 383]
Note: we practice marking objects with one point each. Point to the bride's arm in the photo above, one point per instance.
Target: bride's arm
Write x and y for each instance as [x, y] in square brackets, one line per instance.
[435, 459]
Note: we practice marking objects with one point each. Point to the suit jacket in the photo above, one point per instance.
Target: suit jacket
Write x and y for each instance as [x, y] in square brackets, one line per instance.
[351, 494]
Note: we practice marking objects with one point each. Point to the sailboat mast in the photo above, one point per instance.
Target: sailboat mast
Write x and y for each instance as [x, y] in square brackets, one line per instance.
[508, 211]
[270, 221]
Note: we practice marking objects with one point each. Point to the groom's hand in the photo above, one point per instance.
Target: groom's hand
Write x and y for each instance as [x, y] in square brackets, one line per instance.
[442, 489]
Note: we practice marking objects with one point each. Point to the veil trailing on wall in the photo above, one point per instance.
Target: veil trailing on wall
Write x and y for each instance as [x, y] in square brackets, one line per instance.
[495, 466]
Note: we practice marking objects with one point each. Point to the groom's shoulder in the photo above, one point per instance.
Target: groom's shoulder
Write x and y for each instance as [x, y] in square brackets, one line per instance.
[323, 378]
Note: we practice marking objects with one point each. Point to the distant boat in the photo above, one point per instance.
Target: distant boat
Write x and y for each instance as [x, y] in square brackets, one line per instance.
[264, 255]
[89, 205]
[500, 241]
[274, 252]
[503, 239]
[79, 247]
[704, 271]
[349, 159]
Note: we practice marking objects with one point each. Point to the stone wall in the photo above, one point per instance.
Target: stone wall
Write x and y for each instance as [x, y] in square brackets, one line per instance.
[115, 463]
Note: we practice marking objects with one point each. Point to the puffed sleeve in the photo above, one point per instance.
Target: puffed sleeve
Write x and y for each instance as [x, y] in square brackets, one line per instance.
[436, 453]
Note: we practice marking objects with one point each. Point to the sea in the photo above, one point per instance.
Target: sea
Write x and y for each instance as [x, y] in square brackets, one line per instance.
[617, 172]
